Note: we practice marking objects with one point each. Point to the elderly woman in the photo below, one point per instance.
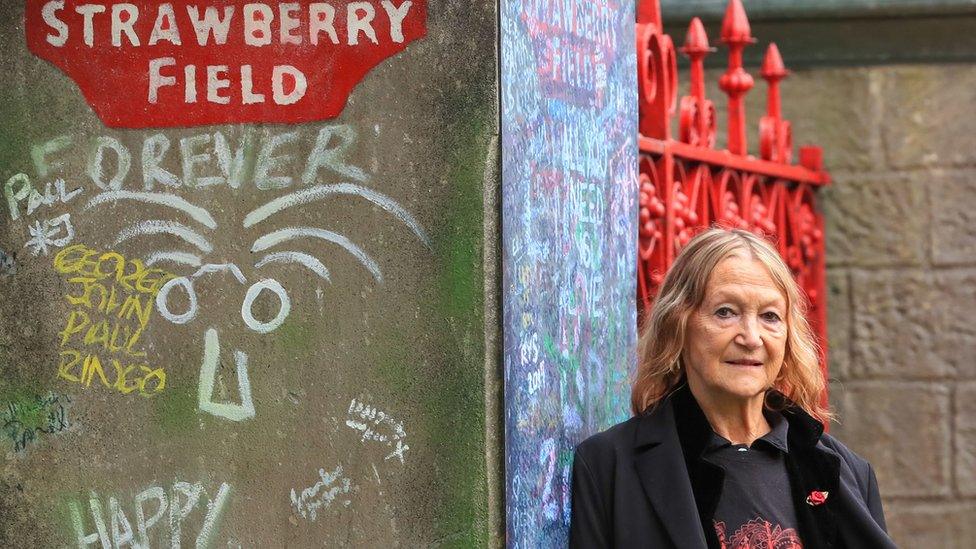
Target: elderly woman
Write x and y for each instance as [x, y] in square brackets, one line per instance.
[726, 448]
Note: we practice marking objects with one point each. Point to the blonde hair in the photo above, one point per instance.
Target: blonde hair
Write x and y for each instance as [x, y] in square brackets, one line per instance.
[662, 338]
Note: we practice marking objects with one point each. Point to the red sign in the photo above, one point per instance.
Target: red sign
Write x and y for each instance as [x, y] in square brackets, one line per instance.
[146, 63]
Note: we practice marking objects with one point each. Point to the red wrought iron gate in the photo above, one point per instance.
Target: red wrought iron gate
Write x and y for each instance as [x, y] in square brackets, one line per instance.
[686, 183]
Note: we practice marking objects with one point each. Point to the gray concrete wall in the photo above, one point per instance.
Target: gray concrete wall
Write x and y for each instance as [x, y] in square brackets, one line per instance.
[360, 373]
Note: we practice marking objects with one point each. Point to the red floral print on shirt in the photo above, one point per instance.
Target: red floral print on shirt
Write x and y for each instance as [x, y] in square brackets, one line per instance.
[758, 534]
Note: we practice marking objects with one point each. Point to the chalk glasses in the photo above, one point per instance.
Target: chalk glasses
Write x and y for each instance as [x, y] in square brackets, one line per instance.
[246, 313]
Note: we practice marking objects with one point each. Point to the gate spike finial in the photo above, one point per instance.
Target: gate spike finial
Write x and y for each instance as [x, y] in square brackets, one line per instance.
[772, 65]
[735, 25]
[773, 71]
[696, 41]
[696, 48]
[775, 134]
[736, 82]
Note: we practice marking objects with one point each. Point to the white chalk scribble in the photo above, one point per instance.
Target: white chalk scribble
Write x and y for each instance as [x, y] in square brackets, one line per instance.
[48, 234]
[35, 200]
[197, 233]
[378, 426]
[292, 233]
[322, 494]
[320, 192]
[199, 214]
[300, 258]
[208, 373]
[183, 258]
[159, 226]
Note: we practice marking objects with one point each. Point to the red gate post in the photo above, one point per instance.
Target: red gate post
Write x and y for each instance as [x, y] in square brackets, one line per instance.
[686, 184]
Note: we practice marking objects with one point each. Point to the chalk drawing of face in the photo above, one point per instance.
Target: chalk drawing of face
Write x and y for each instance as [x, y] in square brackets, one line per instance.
[201, 246]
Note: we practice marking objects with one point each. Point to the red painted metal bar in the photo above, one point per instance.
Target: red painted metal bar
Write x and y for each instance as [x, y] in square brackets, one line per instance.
[726, 159]
[736, 82]
[687, 184]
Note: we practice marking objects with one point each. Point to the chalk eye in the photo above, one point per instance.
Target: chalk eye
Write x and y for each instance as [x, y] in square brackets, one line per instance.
[163, 305]
[252, 294]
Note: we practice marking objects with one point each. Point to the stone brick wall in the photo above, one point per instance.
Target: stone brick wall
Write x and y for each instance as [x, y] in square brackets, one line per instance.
[900, 142]
[901, 241]
[901, 253]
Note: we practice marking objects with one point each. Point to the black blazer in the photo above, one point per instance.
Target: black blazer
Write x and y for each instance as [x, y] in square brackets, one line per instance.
[642, 484]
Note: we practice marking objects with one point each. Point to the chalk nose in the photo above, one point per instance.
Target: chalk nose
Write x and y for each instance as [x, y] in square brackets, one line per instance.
[208, 375]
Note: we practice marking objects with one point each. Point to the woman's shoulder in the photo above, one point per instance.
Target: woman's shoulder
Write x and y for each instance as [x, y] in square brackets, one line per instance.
[862, 470]
[607, 444]
[656, 422]
[855, 461]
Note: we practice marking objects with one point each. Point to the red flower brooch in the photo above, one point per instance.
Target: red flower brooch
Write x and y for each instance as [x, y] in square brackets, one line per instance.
[816, 498]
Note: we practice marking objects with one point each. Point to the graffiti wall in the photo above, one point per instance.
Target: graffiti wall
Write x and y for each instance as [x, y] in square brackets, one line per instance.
[237, 242]
[569, 112]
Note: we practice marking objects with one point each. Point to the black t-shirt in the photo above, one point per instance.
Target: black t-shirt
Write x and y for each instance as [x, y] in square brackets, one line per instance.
[755, 508]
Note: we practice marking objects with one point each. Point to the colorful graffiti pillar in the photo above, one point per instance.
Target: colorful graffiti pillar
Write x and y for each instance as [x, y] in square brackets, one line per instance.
[569, 186]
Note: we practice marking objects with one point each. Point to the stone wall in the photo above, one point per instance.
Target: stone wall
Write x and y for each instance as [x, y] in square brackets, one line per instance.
[901, 251]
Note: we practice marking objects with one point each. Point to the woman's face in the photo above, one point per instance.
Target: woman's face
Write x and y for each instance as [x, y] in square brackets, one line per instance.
[736, 339]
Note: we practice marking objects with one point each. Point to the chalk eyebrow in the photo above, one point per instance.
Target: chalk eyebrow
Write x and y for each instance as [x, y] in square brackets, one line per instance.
[320, 192]
[292, 233]
[174, 257]
[163, 199]
[303, 259]
[159, 226]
